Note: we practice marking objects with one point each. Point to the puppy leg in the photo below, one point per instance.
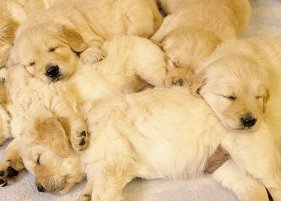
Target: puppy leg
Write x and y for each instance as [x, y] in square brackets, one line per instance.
[68, 110]
[11, 165]
[93, 54]
[111, 178]
[4, 124]
[259, 155]
[87, 192]
[167, 26]
[245, 187]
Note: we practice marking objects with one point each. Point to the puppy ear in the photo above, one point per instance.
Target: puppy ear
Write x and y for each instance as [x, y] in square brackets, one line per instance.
[74, 39]
[198, 80]
[51, 134]
[265, 99]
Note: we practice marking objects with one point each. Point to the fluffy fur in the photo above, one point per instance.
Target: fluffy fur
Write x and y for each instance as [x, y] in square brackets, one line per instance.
[124, 145]
[141, 64]
[192, 33]
[13, 13]
[248, 72]
[49, 44]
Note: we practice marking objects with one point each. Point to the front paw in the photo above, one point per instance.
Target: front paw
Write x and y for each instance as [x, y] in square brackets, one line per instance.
[92, 55]
[8, 174]
[174, 81]
[79, 140]
[84, 197]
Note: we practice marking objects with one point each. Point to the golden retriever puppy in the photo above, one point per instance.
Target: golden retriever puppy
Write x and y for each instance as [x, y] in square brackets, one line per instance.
[45, 151]
[28, 97]
[241, 83]
[192, 33]
[130, 135]
[142, 63]
[168, 133]
[12, 13]
[50, 43]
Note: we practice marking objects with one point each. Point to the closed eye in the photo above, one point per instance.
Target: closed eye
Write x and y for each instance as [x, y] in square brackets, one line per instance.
[230, 97]
[31, 63]
[259, 97]
[52, 49]
[38, 160]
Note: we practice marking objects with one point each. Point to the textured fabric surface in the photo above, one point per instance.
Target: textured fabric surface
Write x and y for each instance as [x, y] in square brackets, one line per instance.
[266, 20]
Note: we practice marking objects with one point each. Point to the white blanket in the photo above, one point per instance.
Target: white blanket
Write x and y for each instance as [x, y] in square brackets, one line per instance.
[266, 20]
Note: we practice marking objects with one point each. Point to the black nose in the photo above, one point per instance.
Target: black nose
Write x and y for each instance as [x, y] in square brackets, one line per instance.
[248, 121]
[52, 71]
[40, 188]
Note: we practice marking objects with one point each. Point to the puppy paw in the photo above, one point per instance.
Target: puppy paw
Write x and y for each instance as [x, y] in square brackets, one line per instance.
[8, 174]
[174, 81]
[80, 140]
[92, 55]
[84, 197]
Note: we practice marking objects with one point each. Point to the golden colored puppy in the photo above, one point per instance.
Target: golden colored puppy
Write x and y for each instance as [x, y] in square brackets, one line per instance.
[241, 83]
[131, 134]
[50, 43]
[142, 63]
[12, 13]
[192, 33]
[45, 151]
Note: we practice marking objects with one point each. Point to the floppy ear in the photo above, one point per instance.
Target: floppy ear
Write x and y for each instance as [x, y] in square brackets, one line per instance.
[74, 39]
[198, 80]
[51, 134]
[265, 99]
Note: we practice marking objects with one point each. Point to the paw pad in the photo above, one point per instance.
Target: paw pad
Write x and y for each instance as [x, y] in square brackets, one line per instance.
[12, 172]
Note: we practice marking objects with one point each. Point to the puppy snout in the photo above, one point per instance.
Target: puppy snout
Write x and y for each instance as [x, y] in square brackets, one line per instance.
[52, 71]
[40, 188]
[248, 121]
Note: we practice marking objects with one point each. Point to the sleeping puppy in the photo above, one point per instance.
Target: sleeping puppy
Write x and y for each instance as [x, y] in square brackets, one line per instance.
[13, 13]
[241, 82]
[142, 63]
[45, 151]
[134, 130]
[193, 31]
[128, 138]
[50, 43]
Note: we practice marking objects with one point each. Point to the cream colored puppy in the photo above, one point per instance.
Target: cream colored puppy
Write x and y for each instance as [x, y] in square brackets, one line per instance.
[241, 81]
[168, 133]
[45, 151]
[192, 33]
[158, 133]
[13, 13]
[142, 63]
[50, 43]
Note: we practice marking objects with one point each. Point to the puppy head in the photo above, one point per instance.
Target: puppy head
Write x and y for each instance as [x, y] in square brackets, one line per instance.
[49, 51]
[7, 30]
[50, 158]
[236, 88]
[187, 47]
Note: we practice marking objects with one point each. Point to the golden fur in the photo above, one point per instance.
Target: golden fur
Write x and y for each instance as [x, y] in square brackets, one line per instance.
[141, 64]
[55, 38]
[191, 33]
[13, 13]
[243, 77]
[131, 134]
